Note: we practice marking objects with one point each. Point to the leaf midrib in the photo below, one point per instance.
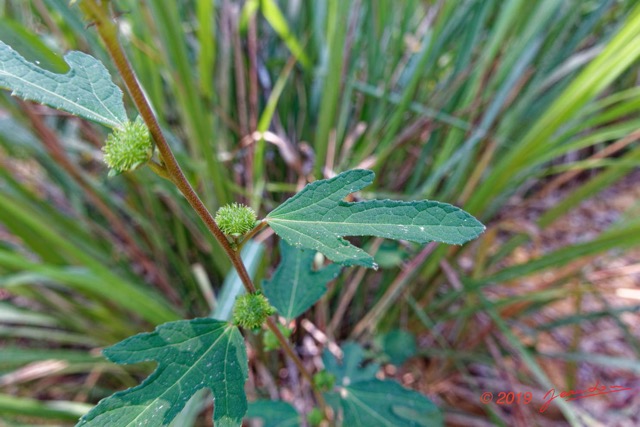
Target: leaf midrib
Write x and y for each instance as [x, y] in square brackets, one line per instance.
[272, 219]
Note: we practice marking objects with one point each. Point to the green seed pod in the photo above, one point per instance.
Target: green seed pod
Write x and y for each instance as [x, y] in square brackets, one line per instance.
[251, 310]
[324, 380]
[235, 219]
[128, 147]
[315, 417]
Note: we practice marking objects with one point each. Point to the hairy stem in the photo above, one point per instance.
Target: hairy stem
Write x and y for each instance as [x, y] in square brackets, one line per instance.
[98, 12]
[108, 33]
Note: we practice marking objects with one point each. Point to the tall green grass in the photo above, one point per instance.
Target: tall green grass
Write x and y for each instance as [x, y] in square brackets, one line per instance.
[490, 105]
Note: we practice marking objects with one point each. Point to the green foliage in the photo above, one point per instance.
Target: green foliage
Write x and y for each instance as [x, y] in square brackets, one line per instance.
[271, 342]
[295, 286]
[315, 417]
[252, 310]
[273, 15]
[191, 355]
[274, 413]
[397, 346]
[85, 91]
[481, 104]
[128, 147]
[317, 217]
[235, 219]
[384, 403]
[360, 399]
[350, 369]
[324, 380]
[54, 410]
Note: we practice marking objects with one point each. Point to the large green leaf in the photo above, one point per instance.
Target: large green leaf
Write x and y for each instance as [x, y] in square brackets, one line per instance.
[86, 90]
[397, 346]
[295, 286]
[385, 404]
[350, 369]
[191, 355]
[359, 399]
[317, 218]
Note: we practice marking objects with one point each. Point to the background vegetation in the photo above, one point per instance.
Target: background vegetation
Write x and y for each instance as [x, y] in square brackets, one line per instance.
[517, 111]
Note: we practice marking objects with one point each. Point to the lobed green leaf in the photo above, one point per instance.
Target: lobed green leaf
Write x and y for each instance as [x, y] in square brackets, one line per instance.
[317, 218]
[86, 90]
[191, 355]
[350, 369]
[384, 403]
[360, 399]
[295, 286]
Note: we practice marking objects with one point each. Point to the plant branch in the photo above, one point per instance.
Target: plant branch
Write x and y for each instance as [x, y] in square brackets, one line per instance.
[159, 169]
[252, 233]
[107, 30]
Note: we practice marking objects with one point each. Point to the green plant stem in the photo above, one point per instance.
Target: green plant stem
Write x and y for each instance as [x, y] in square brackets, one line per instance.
[159, 169]
[107, 31]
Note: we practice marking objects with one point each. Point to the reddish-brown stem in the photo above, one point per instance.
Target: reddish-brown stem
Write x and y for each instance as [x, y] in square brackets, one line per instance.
[108, 33]
[99, 14]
